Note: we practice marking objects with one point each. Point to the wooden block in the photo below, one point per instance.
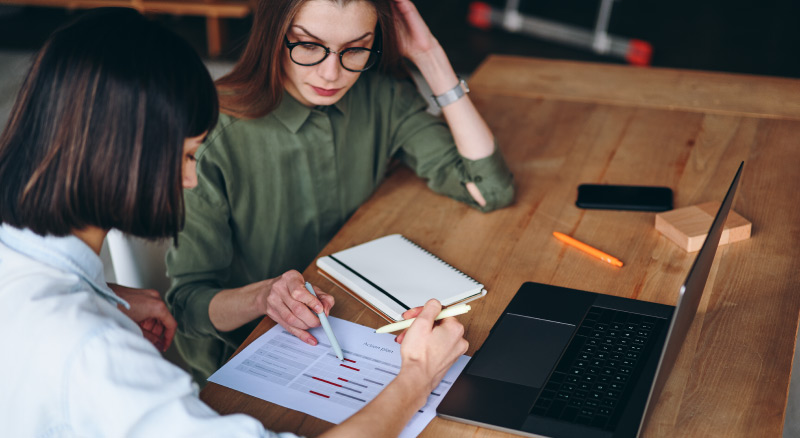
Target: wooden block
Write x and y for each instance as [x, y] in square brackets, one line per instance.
[688, 226]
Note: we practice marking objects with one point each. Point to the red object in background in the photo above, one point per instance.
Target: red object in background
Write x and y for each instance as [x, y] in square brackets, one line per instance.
[480, 15]
[639, 53]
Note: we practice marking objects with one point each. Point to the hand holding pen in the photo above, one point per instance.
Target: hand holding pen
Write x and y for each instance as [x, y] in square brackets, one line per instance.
[286, 301]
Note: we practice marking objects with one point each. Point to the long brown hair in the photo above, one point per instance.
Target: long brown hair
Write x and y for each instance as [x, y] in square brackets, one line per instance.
[255, 85]
[96, 134]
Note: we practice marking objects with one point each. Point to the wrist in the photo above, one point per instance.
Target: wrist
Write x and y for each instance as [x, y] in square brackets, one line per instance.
[229, 309]
[411, 387]
[435, 67]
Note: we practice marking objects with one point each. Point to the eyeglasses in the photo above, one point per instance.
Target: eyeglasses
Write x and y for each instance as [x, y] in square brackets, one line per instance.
[355, 59]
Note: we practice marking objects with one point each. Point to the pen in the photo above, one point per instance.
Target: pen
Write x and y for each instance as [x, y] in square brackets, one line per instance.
[584, 247]
[327, 327]
[458, 309]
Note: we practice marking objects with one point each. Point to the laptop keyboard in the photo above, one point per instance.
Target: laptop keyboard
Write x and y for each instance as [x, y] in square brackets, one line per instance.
[595, 376]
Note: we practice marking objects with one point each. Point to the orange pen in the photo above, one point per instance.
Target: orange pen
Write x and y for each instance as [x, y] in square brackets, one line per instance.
[586, 248]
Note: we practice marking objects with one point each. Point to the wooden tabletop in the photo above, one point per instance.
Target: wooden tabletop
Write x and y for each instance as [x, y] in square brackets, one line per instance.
[561, 124]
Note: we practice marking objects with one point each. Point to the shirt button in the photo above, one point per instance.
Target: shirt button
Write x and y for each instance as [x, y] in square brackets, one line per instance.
[477, 179]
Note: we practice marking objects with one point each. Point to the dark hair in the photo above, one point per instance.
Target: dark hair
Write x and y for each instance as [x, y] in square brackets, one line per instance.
[96, 135]
[255, 85]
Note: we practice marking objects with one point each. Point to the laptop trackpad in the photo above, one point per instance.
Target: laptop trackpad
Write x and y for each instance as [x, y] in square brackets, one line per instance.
[521, 350]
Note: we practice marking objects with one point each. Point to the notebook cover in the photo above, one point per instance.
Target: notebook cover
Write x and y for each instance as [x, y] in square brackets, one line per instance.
[392, 274]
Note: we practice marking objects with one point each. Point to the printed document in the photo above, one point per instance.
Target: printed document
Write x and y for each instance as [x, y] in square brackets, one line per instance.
[281, 369]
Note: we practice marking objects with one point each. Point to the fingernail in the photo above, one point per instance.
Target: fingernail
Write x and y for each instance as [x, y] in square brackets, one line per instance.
[312, 341]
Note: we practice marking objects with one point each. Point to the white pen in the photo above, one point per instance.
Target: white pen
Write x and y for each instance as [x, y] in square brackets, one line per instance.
[458, 309]
[327, 327]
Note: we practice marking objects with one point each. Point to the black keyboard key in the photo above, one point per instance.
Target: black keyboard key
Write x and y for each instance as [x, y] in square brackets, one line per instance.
[573, 378]
[556, 408]
[575, 402]
[569, 413]
[539, 410]
[599, 421]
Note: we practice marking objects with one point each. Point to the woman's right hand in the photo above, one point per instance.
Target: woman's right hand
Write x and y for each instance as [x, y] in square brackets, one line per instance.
[429, 348]
[286, 301]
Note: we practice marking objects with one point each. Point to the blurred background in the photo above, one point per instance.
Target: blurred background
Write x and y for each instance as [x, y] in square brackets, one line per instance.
[756, 37]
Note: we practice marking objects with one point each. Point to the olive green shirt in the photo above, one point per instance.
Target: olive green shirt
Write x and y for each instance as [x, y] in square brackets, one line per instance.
[273, 191]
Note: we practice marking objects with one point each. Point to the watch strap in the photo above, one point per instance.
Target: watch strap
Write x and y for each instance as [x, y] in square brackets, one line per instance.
[452, 95]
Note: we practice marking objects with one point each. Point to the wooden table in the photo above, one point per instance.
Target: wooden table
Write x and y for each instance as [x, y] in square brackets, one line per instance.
[565, 123]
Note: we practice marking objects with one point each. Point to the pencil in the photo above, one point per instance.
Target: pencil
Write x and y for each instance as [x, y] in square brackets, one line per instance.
[588, 249]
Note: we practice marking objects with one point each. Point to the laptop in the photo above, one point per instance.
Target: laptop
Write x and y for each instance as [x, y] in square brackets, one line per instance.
[569, 363]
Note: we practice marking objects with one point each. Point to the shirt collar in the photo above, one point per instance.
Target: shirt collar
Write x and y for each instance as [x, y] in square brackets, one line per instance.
[67, 253]
[293, 114]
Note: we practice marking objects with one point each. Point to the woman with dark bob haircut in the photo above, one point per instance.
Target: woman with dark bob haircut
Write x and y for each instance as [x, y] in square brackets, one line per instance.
[103, 135]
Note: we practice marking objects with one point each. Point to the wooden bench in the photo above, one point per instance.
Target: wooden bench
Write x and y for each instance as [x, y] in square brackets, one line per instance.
[213, 10]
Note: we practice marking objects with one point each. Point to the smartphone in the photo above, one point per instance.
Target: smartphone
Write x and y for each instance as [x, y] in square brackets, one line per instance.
[613, 197]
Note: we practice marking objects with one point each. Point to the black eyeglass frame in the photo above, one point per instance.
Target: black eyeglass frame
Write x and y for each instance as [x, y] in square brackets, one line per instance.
[375, 53]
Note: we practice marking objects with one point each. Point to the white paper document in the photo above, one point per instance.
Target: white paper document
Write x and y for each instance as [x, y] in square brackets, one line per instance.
[281, 369]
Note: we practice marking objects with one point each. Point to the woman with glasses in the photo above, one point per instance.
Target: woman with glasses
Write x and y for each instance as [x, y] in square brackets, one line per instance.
[313, 113]
[103, 135]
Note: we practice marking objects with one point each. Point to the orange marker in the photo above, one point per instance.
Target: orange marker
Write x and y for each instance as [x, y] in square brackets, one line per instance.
[586, 248]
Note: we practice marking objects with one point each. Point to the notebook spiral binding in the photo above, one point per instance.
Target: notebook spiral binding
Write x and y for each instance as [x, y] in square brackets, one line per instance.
[441, 261]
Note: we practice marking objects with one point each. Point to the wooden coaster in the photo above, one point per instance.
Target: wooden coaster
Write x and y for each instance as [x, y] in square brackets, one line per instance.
[688, 226]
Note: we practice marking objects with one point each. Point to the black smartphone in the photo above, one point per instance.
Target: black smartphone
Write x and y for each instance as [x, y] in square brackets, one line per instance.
[611, 197]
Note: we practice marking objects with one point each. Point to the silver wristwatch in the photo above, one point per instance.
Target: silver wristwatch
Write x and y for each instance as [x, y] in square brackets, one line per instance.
[452, 95]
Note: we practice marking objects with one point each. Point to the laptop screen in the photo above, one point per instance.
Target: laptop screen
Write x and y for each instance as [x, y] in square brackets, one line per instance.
[689, 299]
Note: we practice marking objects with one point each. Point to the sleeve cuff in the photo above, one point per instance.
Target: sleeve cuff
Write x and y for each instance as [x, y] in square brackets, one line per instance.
[493, 178]
[195, 320]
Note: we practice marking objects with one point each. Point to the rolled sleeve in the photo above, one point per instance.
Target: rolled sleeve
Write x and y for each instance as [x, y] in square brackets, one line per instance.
[424, 143]
[493, 178]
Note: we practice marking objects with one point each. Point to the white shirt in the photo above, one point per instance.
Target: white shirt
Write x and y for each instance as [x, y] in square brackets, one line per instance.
[75, 366]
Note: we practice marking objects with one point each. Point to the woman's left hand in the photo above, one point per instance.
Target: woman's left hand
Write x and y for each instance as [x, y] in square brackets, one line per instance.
[150, 312]
[414, 36]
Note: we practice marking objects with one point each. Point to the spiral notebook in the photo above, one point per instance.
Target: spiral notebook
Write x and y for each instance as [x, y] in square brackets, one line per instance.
[393, 274]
